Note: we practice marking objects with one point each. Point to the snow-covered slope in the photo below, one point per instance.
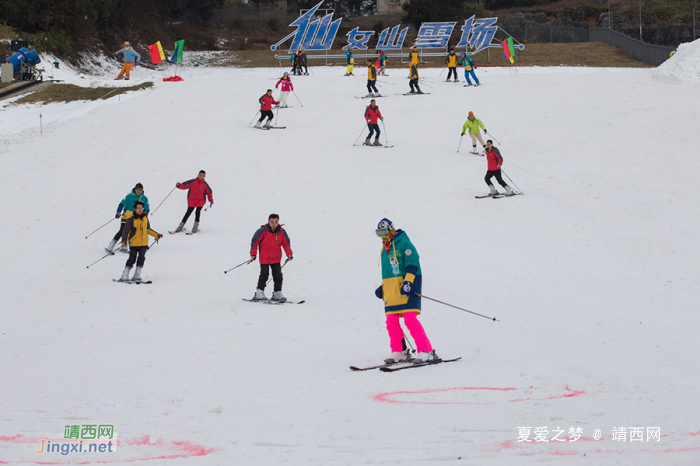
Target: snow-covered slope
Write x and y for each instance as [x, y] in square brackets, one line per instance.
[684, 65]
[592, 273]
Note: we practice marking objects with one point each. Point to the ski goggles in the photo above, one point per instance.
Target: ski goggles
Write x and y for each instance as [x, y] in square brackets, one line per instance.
[382, 232]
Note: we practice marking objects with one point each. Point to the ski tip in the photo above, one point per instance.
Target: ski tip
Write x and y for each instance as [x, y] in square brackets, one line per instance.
[302, 301]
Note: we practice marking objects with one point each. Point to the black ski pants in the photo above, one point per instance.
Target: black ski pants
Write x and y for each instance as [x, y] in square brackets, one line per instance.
[372, 129]
[139, 251]
[265, 274]
[497, 173]
[119, 233]
[451, 70]
[266, 113]
[189, 212]
[414, 83]
[372, 84]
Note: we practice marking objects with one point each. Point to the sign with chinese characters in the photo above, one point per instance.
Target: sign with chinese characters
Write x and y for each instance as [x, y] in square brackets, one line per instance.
[318, 34]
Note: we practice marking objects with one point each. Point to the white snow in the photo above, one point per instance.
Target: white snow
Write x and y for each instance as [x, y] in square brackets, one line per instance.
[684, 65]
[593, 273]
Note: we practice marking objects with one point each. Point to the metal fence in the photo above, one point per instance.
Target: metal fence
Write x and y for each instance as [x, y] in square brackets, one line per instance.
[652, 54]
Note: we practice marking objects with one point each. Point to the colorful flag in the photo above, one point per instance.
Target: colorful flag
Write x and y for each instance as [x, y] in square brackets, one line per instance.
[157, 54]
[177, 53]
[508, 49]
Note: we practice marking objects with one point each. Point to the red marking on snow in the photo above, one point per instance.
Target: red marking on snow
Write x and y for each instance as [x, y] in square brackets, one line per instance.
[387, 397]
[564, 453]
[695, 433]
[174, 450]
[498, 446]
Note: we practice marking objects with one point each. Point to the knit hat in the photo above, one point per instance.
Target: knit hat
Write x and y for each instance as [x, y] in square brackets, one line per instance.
[138, 186]
[385, 224]
[126, 44]
[471, 113]
[286, 74]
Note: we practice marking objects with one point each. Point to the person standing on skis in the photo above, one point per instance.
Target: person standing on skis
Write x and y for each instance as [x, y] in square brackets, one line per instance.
[493, 156]
[414, 79]
[371, 79]
[287, 86]
[382, 62]
[451, 61]
[372, 115]
[303, 61]
[350, 60]
[266, 103]
[469, 67]
[268, 242]
[127, 204]
[401, 285]
[136, 231]
[197, 192]
[472, 125]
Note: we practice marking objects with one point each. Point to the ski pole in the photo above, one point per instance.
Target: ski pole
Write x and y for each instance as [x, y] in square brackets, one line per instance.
[424, 83]
[511, 181]
[295, 95]
[256, 115]
[108, 254]
[358, 137]
[461, 309]
[384, 127]
[285, 263]
[386, 82]
[404, 341]
[100, 227]
[278, 114]
[443, 70]
[460, 143]
[491, 136]
[242, 263]
[161, 202]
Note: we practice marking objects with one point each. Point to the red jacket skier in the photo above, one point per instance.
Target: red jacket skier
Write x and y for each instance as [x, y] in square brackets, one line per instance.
[198, 191]
[493, 155]
[372, 114]
[266, 103]
[269, 241]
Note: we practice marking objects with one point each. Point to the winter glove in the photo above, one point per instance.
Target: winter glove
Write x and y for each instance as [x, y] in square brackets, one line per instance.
[290, 258]
[117, 215]
[485, 131]
[114, 54]
[160, 235]
[379, 292]
[136, 64]
[123, 244]
[462, 134]
[252, 258]
[407, 288]
[211, 204]
[177, 185]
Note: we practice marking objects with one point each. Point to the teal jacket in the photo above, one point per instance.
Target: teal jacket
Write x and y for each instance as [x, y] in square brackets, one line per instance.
[401, 263]
[466, 61]
[127, 204]
[130, 55]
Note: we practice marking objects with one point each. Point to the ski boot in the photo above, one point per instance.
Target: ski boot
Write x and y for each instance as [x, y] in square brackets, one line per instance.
[259, 296]
[376, 142]
[257, 125]
[424, 357]
[412, 91]
[268, 124]
[110, 248]
[137, 274]
[398, 356]
[509, 192]
[180, 227]
[419, 92]
[278, 296]
[367, 142]
[125, 274]
[195, 228]
[492, 191]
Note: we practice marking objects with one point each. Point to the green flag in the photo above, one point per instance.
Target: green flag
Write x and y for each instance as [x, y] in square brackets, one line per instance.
[177, 53]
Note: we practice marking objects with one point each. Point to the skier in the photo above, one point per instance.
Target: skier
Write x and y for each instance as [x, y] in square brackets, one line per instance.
[266, 103]
[293, 59]
[371, 79]
[127, 204]
[472, 124]
[303, 61]
[136, 230]
[350, 60]
[131, 60]
[269, 241]
[413, 57]
[493, 155]
[286, 87]
[382, 61]
[197, 192]
[372, 113]
[451, 61]
[414, 80]
[401, 280]
[469, 67]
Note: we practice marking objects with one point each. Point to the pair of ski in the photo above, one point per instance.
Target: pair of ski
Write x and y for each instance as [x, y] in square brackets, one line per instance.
[383, 146]
[269, 127]
[188, 233]
[498, 196]
[274, 303]
[399, 366]
[132, 282]
[368, 96]
[415, 93]
[472, 85]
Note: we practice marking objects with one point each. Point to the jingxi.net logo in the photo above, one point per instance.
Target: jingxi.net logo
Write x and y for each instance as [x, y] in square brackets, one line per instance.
[86, 438]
